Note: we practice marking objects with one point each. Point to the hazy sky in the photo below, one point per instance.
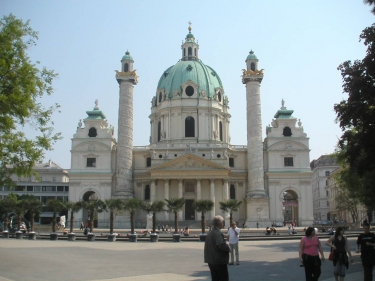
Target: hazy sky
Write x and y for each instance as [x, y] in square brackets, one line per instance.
[299, 44]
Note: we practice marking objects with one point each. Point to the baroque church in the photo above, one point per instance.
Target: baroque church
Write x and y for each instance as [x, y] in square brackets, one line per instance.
[190, 154]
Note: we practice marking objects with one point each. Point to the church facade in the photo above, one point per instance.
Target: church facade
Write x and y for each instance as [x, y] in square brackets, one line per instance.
[190, 154]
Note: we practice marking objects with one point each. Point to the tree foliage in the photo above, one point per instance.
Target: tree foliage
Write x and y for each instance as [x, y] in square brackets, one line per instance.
[203, 206]
[93, 206]
[73, 207]
[22, 85]
[131, 205]
[153, 208]
[356, 117]
[174, 205]
[113, 205]
[230, 206]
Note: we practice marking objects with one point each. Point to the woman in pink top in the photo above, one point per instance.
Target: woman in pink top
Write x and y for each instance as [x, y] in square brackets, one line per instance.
[309, 249]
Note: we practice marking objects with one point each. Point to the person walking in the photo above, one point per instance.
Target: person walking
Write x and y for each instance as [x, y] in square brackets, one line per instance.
[233, 238]
[309, 249]
[82, 226]
[339, 246]
[216, 251]
[366, 241]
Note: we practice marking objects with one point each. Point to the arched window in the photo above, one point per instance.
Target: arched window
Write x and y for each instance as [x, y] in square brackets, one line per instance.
[219, 96]
[184, 52]
[195, 51]
[252, 66]
[147, 192]
[160, 97]
[92, 132]
[189, 127]
[159, 131]
[221, 131]
[232, 192]
[287, 132]
[126, 67]
[190, 52]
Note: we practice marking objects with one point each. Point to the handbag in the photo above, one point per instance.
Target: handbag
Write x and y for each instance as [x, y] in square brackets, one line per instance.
[331, 255]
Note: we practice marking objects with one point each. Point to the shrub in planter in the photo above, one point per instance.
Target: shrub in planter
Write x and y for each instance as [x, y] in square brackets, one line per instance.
[5, 234]
[176, 237]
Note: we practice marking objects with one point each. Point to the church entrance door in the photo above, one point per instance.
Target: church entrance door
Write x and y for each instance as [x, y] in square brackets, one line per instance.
[189, 211]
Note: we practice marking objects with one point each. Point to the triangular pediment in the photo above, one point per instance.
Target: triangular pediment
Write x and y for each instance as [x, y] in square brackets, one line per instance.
[189, 162]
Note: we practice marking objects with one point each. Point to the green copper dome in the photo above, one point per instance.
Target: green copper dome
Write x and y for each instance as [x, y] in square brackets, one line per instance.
[127, 56]
[251, 56]
[190, 35]
[204, 76]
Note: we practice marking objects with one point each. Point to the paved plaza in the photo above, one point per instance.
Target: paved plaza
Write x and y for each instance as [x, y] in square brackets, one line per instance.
[121, 260]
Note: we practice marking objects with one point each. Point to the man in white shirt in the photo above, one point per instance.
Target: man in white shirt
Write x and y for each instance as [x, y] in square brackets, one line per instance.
[233, 238]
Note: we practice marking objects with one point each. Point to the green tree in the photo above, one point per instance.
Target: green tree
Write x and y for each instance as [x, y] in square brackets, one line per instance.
[33, 206]
[93, 206]
[8, 205]
[174, 205]
[131, 205]
[113, 205]
[230, 206]
[203, 206]
[73, 207]
[22, 85]
[56, 206]
[153, 208]
[356, 116]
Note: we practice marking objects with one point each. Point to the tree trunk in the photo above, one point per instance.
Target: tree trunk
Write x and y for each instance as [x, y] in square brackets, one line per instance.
[111, 218]
[19, 219]
[6, 222]
[32, 215]
[230, 219]
[175, 222]
[153, 222]
[92, 221]
[203, 223]
[71, 221]
[54, 222]
[132, 221]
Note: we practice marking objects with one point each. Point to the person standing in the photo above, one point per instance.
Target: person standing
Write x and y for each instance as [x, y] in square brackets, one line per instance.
[216, 251]
[340, 246]
[233, 238]
[82, 226]
[309, 249]
[366, 241]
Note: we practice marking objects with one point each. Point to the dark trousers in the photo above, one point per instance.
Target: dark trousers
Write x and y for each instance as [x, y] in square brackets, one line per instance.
[312, 267]
[368, 266]
[219, 272]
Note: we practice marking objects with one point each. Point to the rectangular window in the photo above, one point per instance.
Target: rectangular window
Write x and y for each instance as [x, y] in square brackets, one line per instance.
[53, 178]
[231, 162]
[288, 161]
[49, 188]
[19, 188]
[41, 179]
[30, 188]
[36, 188]
[91, 162]
[232, 192]
[66, 188]
[44, 199]
[60, 189]
[148, 162]
[147, 192]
